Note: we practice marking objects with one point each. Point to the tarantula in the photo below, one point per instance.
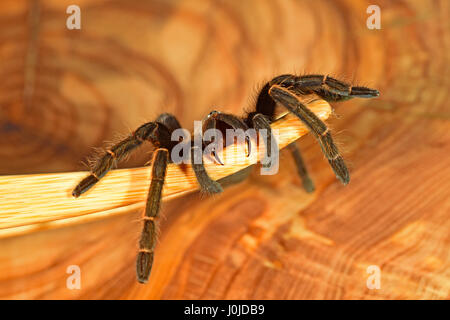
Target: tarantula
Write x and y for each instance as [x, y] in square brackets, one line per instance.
[283, 90]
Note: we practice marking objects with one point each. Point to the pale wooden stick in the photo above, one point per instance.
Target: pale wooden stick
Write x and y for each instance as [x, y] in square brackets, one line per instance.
[42, 201]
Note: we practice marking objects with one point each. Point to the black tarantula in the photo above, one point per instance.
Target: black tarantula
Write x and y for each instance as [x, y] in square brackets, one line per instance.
[284, 90]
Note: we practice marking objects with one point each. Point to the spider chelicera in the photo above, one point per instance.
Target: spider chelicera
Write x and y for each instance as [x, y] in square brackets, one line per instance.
[284, 90]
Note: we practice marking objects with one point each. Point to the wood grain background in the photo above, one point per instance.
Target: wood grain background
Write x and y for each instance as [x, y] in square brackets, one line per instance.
[66, 91]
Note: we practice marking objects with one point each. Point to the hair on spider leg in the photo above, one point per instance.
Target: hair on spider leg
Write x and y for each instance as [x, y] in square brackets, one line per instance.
[365, 87]
[334, 114]
[100, 151]
[94, 156]
[253, 98]
[117, 137]
[205, 194]
[340, 137]
[149, 154]
[162, 217]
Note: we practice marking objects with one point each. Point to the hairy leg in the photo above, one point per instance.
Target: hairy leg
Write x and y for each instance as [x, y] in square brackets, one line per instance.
[290, 101]
[260, 122]
[158, 133]
[207, 184]
[328, 88]
[308, 184]
[147, 242]
[266, 105]
[229, 119]
[112, 156]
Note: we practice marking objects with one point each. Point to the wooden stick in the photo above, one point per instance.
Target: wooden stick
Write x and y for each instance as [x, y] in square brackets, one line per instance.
[42, 201]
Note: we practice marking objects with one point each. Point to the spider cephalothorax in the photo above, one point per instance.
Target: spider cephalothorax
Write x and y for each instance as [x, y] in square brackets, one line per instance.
[284, 90]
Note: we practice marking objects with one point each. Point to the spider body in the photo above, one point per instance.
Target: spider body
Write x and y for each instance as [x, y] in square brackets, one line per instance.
[284, 90]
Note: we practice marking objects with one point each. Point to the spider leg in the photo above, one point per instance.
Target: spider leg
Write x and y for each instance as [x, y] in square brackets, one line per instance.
[158, 132]
[260, 122]
[147, 242]
[308, 184]
[211, 124]
[337, 90]
[113, 155]
[161, 138]
[291, 102]
[266, 105]
[207, 184]
[230, 119]
[167, 123]
[328, 88]
[235, 122]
